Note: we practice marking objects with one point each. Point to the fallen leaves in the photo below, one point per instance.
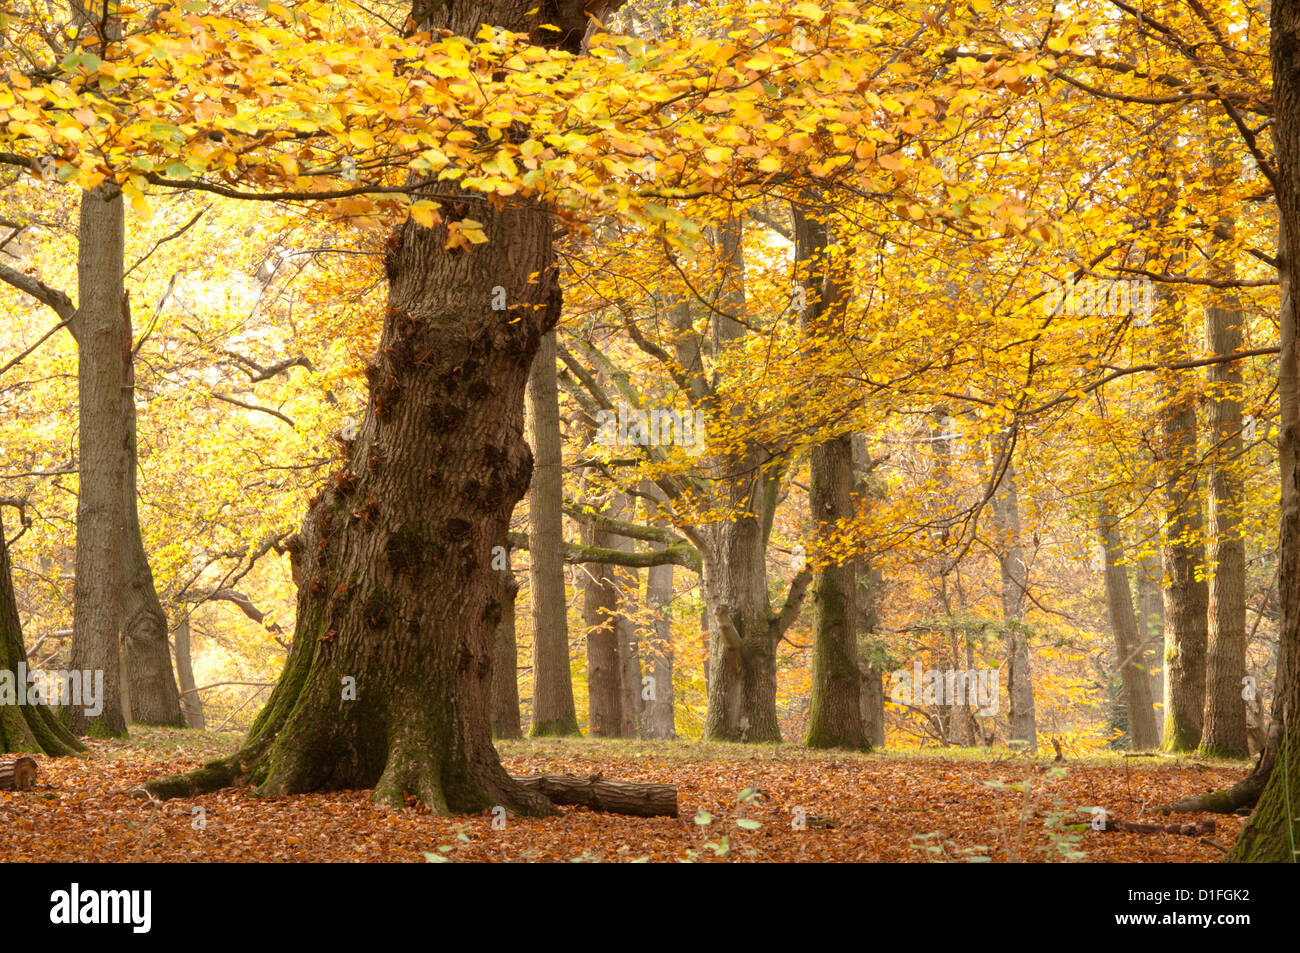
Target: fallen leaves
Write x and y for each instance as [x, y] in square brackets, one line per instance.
[776, 804]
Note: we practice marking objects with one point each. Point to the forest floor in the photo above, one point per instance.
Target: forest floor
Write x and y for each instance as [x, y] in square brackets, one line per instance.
[936, 804]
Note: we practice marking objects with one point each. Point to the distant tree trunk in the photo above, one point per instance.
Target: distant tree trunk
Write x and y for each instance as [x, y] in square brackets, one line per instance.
[1020, 684]
[1270, 835]
[659, 719]
[629, 649]
[868, 586]
[553, 708]
[26, 727]
[1223, 733]
[191, 702]
[101, 437]
[606, 691]
[835, 706]
[148, 679]
[505, 665]
[1144, 735]
[1183, 553]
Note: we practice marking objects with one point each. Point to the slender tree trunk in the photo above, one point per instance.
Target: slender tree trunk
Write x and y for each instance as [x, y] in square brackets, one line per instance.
[1020, 685]
[1143, 732]
[148, 679]
[1223, 733]
[25, 727]
[191, 702]
[101, 437]
[1151, 616]
[606, 691]
[742, 653]
[553, 709]
[1183, 553]
[659, 720]
[505, 663]
[1273, 833]
[869, 585]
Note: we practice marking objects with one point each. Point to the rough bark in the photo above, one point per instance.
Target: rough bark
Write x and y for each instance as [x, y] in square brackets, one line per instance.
[505, 665]
[101, 437]
[400, 601]
[1223, 731]
[1183, 555]
[601, 794]
[1271, 834]
[24, 727]
[1142, 729]
[17, 774]
[553, 708]
[148, 680]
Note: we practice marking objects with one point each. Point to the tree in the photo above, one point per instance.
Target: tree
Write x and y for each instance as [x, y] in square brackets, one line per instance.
[553, 710]
[835, 708]
[26, 726]
[387, 682]
[103, 350]
[1142, 730]
[1271, 833]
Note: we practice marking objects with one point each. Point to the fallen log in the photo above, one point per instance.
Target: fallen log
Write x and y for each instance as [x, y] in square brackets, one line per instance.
[599, 794]
[18, 774]
[1194, 829]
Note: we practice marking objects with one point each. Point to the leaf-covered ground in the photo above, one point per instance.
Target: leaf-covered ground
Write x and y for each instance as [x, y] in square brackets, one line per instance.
[891, 806]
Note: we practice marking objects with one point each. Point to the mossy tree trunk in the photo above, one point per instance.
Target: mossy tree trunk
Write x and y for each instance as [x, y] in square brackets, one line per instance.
[387, 683]
[1143, 732]
[835, 708]
[25, 727]
[1273, 831]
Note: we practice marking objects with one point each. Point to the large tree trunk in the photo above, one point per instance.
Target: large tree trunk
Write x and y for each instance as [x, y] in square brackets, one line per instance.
[505, 665]
[1020, 684]
[387, 684]
[1223, 732]
[553, 708]
[835, 707]
[147, 677]
[1143, 732]
[25, 727]
[102, 353]
[1270, 834]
